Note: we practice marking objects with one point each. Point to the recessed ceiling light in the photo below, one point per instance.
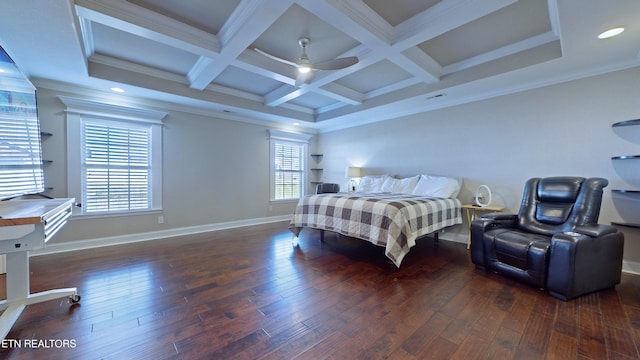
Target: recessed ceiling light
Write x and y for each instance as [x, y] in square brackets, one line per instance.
[117, 89]
[1, 70]
[296, 123]
[611, 33]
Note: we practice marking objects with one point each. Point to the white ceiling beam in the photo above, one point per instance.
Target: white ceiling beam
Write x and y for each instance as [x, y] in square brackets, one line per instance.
[253, 97]
[86, 30]
[125, 65]
[341, 93]
[247, 22]
[334, 106]
[354, 18]
[441, 18]
[147, 24]
[281, 95]
[504, 51]
[432, 68]
[436, 20]
[408, 65]
[261, 65]
[393, 87]
[371, 27]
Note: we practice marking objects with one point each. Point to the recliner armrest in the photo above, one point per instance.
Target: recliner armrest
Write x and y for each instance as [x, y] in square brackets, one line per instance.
[480, 225]
[588, 259]
[596, 230]
[499, 216]
[499, 220]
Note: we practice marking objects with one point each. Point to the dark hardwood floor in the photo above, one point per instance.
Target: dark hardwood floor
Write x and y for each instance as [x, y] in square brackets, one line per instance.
[248, 294]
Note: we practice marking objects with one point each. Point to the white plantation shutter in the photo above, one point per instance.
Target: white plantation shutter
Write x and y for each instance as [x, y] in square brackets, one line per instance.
[289, 174]
[21, 155]
[116, 167]
[288, 167]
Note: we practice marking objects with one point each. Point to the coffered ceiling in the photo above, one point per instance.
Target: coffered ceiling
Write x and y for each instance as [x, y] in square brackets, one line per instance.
[414, 55]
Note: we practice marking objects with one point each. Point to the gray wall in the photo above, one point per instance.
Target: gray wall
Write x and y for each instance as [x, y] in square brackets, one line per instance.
[215, 171]
[563, 129]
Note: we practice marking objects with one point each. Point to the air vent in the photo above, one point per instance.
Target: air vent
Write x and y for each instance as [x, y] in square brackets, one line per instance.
[435, 96]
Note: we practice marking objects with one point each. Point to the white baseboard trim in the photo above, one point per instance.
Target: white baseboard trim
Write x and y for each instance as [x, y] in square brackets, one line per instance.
[154, 235]
[459, 238]
[632, 267]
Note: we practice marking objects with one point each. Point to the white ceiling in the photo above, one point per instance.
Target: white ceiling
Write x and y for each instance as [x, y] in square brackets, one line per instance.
[414, 55]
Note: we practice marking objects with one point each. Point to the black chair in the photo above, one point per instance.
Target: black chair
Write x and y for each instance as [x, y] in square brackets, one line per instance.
[327, 188]
[554, 242]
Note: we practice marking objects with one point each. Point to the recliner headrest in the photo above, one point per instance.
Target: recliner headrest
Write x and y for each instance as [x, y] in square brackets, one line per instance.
[557, 204]
[559, 189]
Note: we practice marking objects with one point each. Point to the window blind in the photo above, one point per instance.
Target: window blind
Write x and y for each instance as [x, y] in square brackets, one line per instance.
[116, 167]
[20, 154]
[289, 172]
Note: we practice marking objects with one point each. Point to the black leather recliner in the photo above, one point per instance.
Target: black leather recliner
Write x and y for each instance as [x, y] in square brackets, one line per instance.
[554, 242]
[327, 188]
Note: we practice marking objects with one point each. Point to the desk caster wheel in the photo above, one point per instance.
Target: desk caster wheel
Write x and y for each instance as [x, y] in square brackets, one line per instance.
[74, 299]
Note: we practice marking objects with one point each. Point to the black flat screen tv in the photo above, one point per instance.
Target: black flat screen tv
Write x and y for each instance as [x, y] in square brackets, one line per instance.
[21, 171]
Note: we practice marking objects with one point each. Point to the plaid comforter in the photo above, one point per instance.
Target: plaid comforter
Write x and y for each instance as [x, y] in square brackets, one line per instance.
[394, 221]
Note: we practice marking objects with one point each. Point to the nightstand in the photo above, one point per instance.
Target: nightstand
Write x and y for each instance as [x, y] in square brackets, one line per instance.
[472, 210]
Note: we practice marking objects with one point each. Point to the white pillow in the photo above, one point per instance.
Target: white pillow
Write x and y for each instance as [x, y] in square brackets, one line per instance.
[437, 186]
[400, 186]
[389, 184]
[372, 184]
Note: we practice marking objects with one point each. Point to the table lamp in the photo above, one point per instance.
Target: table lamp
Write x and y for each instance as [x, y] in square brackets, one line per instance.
[352, 173]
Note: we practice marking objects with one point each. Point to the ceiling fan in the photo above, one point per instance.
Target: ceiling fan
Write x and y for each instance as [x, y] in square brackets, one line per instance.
[305, 66]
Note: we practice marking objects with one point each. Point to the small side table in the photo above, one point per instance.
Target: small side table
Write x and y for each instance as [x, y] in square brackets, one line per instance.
[472, 210]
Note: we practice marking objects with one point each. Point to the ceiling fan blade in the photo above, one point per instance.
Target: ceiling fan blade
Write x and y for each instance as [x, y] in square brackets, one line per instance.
[273, 57]
[336, 64]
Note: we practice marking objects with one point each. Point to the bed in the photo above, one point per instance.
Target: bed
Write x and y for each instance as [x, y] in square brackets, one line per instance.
[393, 219]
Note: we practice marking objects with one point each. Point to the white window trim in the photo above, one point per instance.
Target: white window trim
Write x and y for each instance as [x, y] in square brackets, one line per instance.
[76, 109]
[283, 136]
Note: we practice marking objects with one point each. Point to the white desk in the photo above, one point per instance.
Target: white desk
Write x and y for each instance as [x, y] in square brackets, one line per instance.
[27, 225]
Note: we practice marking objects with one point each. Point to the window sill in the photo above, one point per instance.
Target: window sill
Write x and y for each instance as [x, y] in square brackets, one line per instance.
[114, 214]
[284, 201]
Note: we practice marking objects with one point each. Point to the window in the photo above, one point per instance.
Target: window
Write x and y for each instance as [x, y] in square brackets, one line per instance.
[116, 166]
[288, 166]
[115, 163]
[289, 172]
[20, 153]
